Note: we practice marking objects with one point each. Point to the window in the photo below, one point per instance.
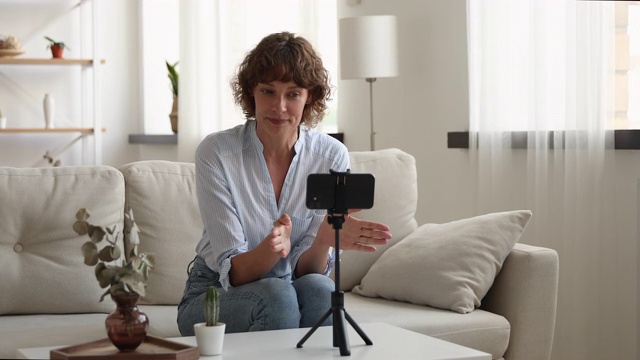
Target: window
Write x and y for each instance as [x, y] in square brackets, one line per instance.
[516, 85]
[627, 65]
[160, 42]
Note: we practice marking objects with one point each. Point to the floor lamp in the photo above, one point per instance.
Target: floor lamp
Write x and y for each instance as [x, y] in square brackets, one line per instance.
[368, 50]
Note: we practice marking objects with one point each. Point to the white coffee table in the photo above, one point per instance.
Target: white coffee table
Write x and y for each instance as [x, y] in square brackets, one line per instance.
[389, 342]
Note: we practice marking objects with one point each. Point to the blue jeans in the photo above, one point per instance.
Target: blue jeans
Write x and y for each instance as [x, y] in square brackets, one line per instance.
[266, 304]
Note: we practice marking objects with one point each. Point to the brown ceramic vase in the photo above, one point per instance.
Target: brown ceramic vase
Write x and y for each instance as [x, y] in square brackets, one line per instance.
[126, 326]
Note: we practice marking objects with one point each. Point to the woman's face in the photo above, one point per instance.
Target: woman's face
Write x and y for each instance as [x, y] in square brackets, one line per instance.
[279, 107]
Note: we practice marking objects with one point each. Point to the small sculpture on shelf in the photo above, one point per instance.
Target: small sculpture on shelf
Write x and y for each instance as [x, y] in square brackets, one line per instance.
[57, 47]
[49, 106]
[10, 46]
[48, 156]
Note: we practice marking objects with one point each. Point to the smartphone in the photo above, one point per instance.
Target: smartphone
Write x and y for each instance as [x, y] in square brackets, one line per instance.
[356, 191]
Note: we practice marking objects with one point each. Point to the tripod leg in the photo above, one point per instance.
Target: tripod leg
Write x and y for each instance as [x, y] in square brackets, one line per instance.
[314, 328]
[340, 338]
[357, 328]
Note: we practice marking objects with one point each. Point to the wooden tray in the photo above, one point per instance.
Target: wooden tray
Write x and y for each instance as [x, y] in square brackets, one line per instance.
[152, 348]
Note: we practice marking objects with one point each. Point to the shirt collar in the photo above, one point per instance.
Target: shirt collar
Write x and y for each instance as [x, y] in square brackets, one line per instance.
[303, 133]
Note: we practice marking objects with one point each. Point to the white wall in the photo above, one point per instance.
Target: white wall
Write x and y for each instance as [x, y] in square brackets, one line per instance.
[415, 110]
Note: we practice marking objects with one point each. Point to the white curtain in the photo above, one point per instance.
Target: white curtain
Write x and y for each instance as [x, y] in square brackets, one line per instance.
[214, 38]
[541, 80]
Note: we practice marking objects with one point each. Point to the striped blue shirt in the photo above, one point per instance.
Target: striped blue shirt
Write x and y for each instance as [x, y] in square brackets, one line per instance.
[237, 201]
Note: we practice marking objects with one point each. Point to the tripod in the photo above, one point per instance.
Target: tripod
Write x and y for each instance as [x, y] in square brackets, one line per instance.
[340, 338]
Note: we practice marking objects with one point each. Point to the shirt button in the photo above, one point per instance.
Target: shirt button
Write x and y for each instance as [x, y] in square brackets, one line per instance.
[17, 248]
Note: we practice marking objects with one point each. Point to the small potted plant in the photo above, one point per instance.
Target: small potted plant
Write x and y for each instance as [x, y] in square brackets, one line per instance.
[126, 282]
[57, 47]
[210, 334]
[172, 73]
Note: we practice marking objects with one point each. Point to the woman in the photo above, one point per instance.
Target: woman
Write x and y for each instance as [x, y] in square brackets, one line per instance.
[266, 252]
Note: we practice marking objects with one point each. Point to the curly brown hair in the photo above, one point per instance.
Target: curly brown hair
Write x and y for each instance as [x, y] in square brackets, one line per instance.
[283, 57]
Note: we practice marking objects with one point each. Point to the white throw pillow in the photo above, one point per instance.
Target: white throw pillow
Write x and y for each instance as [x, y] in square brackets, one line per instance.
[40, 259]
[170, 225]
[448, 266]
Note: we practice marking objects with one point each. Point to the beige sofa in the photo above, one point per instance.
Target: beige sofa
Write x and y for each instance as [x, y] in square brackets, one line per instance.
[49, 297]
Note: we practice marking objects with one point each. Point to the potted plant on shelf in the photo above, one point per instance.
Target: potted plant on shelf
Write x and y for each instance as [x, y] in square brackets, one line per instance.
[210, 334]
[57, 47]
[126, 282]
[173, 76]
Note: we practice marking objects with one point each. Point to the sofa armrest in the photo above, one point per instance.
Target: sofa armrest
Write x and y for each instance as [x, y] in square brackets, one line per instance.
[525, 292]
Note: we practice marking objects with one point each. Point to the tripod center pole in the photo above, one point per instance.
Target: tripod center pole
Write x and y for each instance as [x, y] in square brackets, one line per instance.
[337, 260]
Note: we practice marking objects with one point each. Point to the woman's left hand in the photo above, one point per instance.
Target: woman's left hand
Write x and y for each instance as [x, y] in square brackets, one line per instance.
[363, 235]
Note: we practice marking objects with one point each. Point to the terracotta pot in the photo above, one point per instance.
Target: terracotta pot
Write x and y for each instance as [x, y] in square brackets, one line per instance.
[57, 51]
[174, 115]
[126, 325]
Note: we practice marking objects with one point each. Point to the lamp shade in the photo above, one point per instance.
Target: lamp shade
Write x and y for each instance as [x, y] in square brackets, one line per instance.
[368, 47]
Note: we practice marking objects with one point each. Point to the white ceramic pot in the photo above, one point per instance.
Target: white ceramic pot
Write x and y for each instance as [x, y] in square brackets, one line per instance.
[3, 122]
[209, 338]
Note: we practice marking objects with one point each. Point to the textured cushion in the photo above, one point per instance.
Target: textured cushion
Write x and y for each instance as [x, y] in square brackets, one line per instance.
[448, 266]
[395, 202]
[481, 330]
[162, 195]
[162, 320]
[40, 259]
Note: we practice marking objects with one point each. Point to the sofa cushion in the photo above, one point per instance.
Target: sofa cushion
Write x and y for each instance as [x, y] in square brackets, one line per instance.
[395, 203]
[162, 320]
[448, 266]
[162, 195]
[40, 261]
[479, 329]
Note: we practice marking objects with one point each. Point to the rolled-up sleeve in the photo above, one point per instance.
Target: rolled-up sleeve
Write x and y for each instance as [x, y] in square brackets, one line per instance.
[308, 239]
[223, 235]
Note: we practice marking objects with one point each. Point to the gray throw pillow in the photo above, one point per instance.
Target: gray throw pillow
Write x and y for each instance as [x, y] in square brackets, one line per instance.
[448, 266]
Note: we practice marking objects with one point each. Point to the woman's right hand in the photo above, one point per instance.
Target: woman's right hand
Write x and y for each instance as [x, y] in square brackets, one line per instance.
[256, 263]
[279, 239]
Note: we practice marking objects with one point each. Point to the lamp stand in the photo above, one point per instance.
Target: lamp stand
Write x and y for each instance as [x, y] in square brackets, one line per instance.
[373, 133]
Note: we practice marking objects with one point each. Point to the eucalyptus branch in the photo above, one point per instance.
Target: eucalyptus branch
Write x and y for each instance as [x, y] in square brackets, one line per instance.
[131, 275]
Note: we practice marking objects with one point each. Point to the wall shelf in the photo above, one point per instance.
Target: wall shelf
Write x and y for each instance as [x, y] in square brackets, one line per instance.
[86, 124]
[57, 130]
[33, 61]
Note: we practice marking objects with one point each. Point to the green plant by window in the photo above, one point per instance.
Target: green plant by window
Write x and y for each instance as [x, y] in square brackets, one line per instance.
[173, 76]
